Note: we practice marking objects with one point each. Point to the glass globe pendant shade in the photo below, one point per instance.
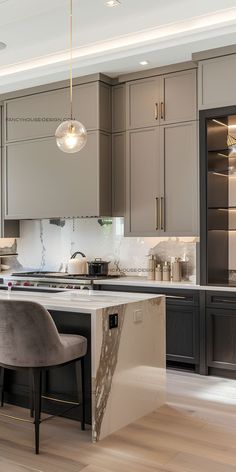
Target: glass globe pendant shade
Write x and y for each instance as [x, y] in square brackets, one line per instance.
[71, 136]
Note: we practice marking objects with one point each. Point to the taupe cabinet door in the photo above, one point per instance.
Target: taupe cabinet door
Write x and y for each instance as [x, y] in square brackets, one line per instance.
[118, 108]
[38, 115]
[118, 174]
[143, 182]
[8, 229]
[162, 181]
[179, 97]
[143, 97]
[217, 82]
[179, 192]
[43, 182]
[171, 98]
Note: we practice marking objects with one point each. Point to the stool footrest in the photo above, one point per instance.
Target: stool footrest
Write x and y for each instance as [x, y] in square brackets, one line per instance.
[17, 418]
[58, 400]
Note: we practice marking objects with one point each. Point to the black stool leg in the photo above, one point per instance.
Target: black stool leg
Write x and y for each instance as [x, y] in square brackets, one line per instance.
[37, 376]
[31, 390]
[81, 399]
[2, 373]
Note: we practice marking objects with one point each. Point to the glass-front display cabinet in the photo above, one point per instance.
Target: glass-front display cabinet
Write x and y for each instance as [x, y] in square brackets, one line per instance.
[218, 196]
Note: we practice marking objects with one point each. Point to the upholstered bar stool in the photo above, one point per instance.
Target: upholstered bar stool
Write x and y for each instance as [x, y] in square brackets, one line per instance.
[30, 340]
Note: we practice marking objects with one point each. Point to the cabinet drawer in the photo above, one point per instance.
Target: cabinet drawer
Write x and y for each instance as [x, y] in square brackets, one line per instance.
[221, 299]
[173, 296]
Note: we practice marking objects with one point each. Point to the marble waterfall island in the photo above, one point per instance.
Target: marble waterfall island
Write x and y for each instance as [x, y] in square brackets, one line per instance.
[125, 374]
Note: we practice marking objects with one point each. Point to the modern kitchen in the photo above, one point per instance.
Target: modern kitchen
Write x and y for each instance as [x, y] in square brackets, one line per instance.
[117, 245]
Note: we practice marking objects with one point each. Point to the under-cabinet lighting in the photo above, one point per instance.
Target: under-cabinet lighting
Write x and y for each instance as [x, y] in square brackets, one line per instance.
[144, 63]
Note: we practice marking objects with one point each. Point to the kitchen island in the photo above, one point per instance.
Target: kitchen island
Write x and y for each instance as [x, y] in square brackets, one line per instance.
[125, 363]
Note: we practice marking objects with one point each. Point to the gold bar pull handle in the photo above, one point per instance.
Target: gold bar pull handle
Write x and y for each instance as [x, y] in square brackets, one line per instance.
[162, 110]
[156, 111]
[162, 213]
[157, 213]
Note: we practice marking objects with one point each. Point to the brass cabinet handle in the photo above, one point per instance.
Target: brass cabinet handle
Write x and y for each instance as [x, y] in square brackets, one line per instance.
[162, 214]
[162, 110]
[157, 213]
[156, 111]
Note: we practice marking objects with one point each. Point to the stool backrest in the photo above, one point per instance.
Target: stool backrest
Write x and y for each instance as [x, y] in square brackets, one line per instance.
[28, 335]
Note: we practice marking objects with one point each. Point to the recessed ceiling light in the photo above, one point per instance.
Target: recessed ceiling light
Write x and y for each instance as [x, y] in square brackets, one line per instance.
[144, 63]
[2, 45]
[113, 3]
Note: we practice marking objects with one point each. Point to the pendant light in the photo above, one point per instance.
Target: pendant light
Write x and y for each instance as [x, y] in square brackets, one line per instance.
[71, 135]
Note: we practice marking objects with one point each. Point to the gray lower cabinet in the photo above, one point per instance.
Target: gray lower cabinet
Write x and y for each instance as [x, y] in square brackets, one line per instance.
[221, 333]
[182, 333]
[40, 113]
[43, 182]
[162, 181]
[143, 182]
[182, 323]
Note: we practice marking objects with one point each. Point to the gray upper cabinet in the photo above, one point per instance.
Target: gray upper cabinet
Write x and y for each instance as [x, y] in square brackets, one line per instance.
[162, 181]
[217, 82]
[179, 97]
[118, 174]
[143, 182]
[179, 191]
[143, 103]
[8, 229]
[170, 98]
[43, 182]
[118, 108]
[38, 115]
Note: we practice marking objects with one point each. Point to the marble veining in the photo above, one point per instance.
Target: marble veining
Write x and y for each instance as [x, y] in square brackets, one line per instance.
[47, 246]
[107, 366]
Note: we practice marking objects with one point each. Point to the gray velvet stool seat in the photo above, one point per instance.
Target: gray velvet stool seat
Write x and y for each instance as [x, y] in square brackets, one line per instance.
[30, 340]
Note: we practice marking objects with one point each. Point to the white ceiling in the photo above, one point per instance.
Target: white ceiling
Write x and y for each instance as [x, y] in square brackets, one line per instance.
[109, 40]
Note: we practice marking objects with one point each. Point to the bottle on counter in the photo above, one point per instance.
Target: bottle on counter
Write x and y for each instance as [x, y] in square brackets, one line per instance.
[151, 267]
[158, 273]
[166, 272]
[176, 270]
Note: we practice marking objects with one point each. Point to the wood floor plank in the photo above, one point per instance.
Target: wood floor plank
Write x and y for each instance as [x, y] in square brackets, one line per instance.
[194, 432]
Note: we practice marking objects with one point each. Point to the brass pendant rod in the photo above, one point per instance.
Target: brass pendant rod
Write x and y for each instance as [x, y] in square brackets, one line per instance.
[71, 59]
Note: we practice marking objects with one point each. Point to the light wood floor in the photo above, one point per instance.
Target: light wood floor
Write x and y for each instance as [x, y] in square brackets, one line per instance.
[194, 432]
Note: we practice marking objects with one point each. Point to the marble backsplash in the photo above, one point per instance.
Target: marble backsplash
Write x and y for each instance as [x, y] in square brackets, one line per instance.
[48, 245]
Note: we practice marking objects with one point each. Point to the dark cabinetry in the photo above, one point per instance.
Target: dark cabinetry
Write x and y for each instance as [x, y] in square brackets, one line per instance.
[182, 323]
[221, 333]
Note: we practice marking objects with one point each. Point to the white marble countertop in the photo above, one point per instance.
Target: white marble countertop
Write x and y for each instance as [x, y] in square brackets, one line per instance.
[144, 282]
[88, 301]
